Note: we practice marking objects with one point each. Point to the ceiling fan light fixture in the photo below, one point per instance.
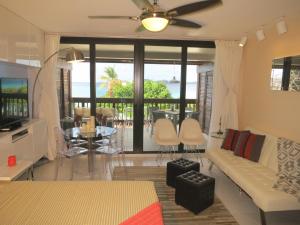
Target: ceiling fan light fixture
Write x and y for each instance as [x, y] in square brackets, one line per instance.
[155, 22]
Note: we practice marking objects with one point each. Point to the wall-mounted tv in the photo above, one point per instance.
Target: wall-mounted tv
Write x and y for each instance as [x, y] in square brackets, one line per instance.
[13, 101]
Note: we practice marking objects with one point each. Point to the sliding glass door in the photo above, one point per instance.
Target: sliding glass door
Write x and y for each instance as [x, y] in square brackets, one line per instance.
[162, 76]
[128, 79]
[115, 88]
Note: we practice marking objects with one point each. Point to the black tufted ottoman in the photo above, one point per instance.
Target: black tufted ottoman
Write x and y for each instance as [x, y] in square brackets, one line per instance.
[178, 167]
[194, 191]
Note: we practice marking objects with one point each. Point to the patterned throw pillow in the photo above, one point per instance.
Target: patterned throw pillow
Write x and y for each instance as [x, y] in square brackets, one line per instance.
[241, 143]
[253, 147]
[288, 167]
[228, 140]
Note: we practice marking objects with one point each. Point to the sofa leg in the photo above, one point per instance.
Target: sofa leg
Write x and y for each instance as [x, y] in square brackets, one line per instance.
[210, 166]
[262, 217]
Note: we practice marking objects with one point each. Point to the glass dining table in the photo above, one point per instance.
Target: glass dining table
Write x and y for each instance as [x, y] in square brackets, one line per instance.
[99, 133]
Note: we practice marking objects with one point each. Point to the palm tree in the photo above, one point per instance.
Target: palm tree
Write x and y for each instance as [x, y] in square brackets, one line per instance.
[110, 76]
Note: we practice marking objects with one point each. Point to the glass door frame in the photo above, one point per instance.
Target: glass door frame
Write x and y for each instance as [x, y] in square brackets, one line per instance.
[139, 52]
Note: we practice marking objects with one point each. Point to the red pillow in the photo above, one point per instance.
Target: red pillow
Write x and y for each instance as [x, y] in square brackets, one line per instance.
[235, 139]
[228, 140]
[241, 143]
[253, 147]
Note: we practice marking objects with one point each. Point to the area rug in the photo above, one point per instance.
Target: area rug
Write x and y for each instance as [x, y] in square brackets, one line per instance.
[174, 214]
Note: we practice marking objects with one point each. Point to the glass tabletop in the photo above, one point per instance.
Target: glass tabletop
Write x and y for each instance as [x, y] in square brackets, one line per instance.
[100, 131]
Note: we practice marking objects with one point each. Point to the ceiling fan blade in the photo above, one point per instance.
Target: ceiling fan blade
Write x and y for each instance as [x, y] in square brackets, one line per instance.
[114, 17]
[141, 28]
[184, 23]
[193, 7]
[143, 4]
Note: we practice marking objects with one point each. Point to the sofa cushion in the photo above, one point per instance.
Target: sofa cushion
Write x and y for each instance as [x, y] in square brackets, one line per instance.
[241, 143]
[255, 179]
[228, 140]
[254, 146]
[268, 156]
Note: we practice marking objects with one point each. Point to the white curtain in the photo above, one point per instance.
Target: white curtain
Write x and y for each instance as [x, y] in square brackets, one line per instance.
[225, 85]
[47, 103]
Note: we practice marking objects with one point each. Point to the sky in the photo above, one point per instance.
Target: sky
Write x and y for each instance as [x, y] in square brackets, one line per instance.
[80, 72]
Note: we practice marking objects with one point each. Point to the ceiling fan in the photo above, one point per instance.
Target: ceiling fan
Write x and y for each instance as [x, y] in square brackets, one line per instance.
[155, 19]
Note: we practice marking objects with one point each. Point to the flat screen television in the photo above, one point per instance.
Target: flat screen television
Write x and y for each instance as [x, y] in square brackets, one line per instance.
[14, 107]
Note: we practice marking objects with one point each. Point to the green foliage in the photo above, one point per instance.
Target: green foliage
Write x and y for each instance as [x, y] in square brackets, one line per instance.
[109, 74]
[152, 89]
[111, 77]
[123, 91]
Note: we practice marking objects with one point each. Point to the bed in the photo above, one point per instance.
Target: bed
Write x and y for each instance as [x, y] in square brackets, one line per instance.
[79, 202]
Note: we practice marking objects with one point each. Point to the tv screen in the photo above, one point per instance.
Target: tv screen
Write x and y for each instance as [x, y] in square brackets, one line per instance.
[13, 101]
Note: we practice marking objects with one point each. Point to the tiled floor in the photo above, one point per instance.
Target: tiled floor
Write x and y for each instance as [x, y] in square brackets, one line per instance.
[241, 207]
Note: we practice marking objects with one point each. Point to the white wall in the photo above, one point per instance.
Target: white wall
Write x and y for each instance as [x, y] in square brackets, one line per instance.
[277, 112]
[20, 41]
[21, 47]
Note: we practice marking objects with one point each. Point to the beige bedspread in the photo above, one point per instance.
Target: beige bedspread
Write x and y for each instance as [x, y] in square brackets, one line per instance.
[71, 202]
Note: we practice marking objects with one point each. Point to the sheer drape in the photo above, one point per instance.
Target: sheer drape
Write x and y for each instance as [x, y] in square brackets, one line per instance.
[225, 85]
[47, 102]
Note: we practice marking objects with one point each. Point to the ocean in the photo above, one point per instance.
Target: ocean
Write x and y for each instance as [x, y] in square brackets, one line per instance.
[82, 89]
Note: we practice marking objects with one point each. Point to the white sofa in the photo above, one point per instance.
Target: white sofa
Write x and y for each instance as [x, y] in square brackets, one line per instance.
[256, 179]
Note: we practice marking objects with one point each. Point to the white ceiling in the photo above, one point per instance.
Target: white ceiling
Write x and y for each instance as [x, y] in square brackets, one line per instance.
[230, 21]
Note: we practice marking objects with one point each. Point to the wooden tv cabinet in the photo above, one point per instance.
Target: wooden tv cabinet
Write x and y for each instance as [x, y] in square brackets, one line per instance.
[28, 143]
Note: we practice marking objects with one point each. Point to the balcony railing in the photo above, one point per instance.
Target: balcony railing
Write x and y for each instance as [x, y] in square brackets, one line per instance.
[124, 106]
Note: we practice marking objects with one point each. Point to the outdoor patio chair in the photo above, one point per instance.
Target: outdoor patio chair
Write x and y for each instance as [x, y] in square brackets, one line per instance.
[150, 115]
[106, 116]
[193, 115]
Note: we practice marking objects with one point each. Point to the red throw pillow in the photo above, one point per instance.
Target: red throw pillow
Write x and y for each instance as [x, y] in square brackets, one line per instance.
[254, 146]
[228, 140]
[241, 143]
[235, 139]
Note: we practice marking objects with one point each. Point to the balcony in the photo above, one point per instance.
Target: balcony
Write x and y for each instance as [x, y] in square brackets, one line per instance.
[124, 109]
[124, 106]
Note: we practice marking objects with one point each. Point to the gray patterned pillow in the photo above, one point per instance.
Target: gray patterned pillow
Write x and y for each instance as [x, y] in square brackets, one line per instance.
[288, 167]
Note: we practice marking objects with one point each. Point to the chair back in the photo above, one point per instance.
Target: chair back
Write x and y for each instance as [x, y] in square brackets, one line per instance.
[150, 111]
[158, 115]
[190, 130]
[61, 146]
[195, 115]
[83, 112]
[164, 132]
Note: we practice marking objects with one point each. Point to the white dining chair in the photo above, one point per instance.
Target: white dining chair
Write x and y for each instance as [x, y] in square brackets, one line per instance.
[156, 115]
[191, 136]
[166, 137]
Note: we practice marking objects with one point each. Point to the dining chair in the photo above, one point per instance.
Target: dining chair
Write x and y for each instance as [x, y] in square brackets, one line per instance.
[156, 115]
[65, 150]
[191, 136]
[150, 109]
[194, 115]
[166, 137]
[114, 146]
[106, 116]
